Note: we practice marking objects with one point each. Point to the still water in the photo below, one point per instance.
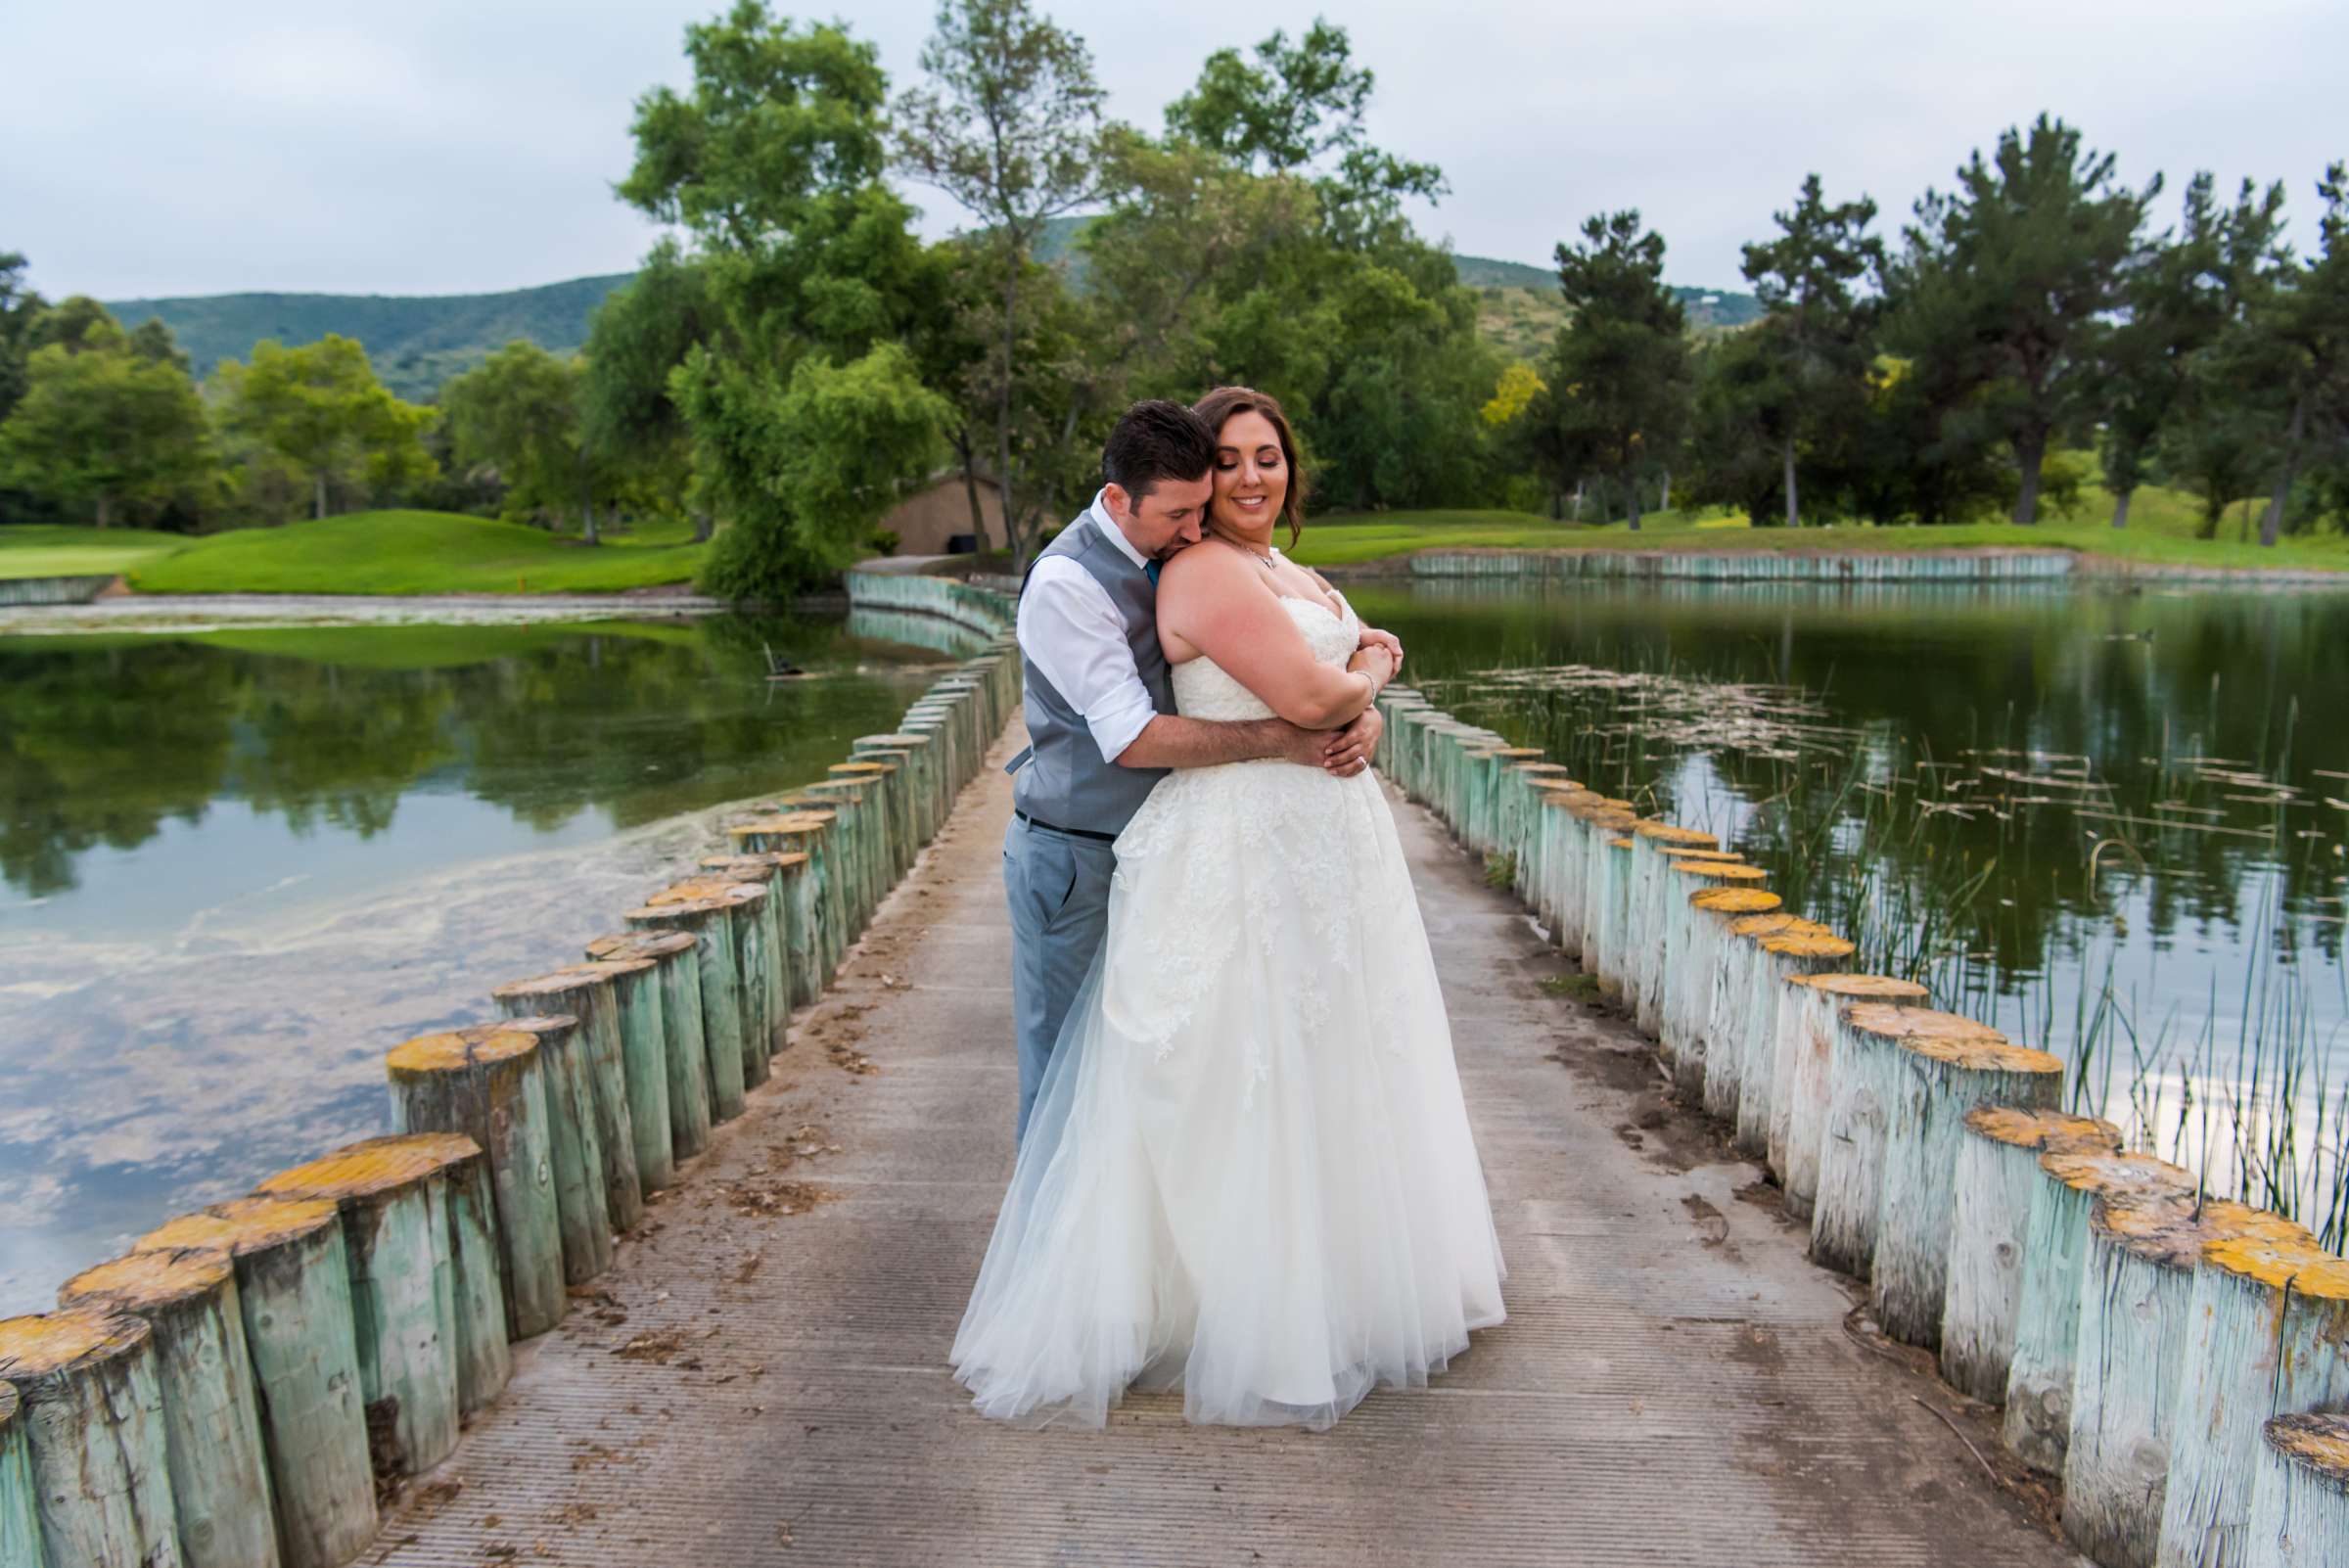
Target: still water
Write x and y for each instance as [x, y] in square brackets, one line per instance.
[238, 866]
[2110, 823]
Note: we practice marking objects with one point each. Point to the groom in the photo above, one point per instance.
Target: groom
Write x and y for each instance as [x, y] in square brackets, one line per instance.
[1100, 704]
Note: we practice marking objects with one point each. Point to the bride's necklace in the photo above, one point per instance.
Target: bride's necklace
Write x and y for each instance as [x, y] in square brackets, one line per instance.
[1264, 559]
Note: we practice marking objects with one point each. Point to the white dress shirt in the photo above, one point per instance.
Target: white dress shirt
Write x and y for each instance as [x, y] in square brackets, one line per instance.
[1072, 632]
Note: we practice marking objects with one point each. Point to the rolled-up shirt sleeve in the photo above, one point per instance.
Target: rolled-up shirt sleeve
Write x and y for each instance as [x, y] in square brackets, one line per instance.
[1072, 633]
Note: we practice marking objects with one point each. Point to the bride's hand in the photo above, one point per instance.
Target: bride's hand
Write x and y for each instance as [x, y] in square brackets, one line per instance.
[1347, 752]
[1372, 636]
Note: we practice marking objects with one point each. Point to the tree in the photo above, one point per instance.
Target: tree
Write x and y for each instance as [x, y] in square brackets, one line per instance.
[2300, 343]
[19, 308]
[1619, 370]
[2005, 280]
[639, 337]
[518, 411]
[2219, 435]
[105, 431]
[1011, 128]
[2172, 307]
[1297, 110]
[771, 163]
[1808, 372]
[320, 409]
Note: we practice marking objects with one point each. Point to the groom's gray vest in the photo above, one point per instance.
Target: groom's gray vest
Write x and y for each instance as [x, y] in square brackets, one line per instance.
[1065, 782]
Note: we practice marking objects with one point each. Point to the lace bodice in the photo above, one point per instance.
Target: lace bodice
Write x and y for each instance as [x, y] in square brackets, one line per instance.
[1204, 690]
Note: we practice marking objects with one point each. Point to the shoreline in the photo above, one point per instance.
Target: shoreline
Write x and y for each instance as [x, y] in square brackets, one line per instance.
[1826, 566]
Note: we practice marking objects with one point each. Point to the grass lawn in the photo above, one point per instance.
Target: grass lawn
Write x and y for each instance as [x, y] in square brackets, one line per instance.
[2161, 526]
[415, 553]
[46, 551]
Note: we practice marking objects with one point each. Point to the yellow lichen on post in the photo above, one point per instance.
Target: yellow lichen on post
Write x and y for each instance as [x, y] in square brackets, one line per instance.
[2041, 1130]
[93, 1417]
[242, 1226]
[1745, 901]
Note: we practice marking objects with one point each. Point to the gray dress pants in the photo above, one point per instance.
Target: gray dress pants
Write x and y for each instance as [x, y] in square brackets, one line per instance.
[1058, 887]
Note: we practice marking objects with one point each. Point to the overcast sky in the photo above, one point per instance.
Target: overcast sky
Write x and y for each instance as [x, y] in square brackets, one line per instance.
[455, 146]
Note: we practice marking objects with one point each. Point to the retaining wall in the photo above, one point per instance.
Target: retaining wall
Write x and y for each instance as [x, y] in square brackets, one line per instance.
[16, 591]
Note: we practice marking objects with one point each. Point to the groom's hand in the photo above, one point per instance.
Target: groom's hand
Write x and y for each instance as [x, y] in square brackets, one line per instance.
[1347, 752]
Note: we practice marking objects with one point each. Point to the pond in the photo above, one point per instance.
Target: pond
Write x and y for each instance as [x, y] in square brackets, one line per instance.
[2110, 823]
[237, 866]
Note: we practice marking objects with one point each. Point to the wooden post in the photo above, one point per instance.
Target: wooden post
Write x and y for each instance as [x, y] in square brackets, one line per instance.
[1681, 973]
[487, 1082]
[471, 1246]
[394, 1204]
[1711, 1034]
[1643, 919]
[911, 751]
[582, 1214]
[2133, 1297]
[814, 918]
[860, 837]
[641, 1020]
[1529, 786]
[709, 923]
[744, 907]
[1996, 1173]
[1610, 913]
[20, 1523]
[1941, 1080]
[211, 1420]
[2300, 1494]
[294, 1292]
[2267, 1334]
[1801, 1071]
[589, 997]
[683, 1056]
[777, 873]
[1864, 1083]
[1560, 844]
[892, 852]
[93, 1414]
[2038, 1424]
[1742, 1033]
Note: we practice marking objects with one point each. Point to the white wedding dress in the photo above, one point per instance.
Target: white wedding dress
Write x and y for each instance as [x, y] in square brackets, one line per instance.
[1249, 1169]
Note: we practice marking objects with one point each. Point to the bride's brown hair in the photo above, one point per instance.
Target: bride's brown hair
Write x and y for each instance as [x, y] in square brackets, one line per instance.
[1223, 402]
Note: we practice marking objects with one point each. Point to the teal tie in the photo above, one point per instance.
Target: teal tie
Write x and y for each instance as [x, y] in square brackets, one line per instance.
[1150, 571]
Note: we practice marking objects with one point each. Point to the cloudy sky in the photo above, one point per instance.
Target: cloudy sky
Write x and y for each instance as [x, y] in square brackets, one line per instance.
[455, 145]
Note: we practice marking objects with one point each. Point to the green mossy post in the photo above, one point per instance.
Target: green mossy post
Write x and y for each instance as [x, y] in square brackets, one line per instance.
[1943, 1080]
[2267, 1334]
[912, 753]
[2300, 1494]
[814, 921]
[293, 1291]
[775, 873]
[683, 1049]
[1524, 784]
[638, 1013]
[218, 1466]
[862, 828]
[1865, 1081]
[1803, 1073]
[484, 1363]
[591, 998]
[743, 908]
[582, 1213]
[487, 1082]
[403, 1291]
[1997, 1173]
[93, 1414]
[880, 782]
[1608, 911]
[2134, 1296]
[2037, 1426]
[19, 1524]
[890, 771]
[707, 921]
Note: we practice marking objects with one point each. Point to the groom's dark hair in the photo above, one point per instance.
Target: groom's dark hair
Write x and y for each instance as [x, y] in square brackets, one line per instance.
[1155, 440]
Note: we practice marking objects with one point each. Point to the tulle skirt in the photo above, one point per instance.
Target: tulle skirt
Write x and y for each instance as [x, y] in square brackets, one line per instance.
[1249, 1171]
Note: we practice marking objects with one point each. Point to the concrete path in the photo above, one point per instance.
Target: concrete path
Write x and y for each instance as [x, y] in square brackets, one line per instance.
[760, 1380]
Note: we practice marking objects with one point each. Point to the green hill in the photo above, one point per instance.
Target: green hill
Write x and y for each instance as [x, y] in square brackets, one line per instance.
[416, 342]
[417, 552]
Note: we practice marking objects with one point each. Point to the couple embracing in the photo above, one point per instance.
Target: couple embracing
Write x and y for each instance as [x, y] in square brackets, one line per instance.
[1244, 1166]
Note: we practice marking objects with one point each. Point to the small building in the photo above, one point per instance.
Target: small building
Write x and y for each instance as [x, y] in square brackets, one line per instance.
[928, 519]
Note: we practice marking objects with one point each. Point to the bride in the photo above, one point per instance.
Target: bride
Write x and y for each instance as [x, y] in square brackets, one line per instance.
[1249, 1170]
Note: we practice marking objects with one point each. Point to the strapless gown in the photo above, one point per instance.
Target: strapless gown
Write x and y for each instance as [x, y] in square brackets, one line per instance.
[1249, 1170]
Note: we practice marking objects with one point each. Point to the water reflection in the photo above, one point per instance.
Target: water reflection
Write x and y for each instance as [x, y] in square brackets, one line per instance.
[2112, 823]
[241, 866]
